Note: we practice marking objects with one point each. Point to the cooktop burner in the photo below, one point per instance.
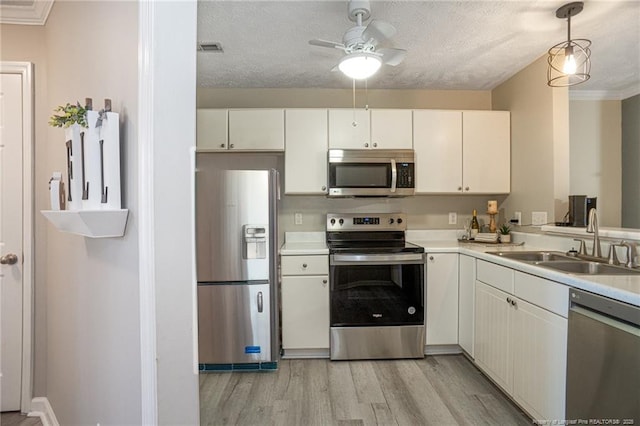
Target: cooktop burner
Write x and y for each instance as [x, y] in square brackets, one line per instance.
[368, 233]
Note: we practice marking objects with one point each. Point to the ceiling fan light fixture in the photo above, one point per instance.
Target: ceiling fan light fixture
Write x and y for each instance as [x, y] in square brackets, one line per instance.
[359, 66]
[569, 61]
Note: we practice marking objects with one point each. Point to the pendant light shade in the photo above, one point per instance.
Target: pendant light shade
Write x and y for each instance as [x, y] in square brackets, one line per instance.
[359, 66]
[570, 60]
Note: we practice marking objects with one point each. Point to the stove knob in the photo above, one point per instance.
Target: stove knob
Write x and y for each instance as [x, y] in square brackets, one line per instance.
[391, 221]
[399, 221]
[341, 221]
[333, 222]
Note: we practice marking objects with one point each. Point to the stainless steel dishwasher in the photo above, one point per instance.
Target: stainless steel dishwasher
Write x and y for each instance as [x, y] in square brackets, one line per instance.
[603, 359]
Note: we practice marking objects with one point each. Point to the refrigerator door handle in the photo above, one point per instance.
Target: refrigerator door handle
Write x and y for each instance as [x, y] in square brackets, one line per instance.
[260, 303]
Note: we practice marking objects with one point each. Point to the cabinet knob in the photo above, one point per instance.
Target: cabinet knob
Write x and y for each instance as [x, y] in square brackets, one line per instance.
[459, 188]
[513, 302]
[366, 145]
[466, 188]
[304, 265]
[324, 188]
[324, 281]
[430, 257]
[221, 145]
[375, 145]
[230, 145]
[508, 300]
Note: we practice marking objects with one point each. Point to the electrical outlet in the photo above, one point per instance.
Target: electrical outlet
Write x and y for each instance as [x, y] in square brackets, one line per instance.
[518, 217]
[453, 218]
[297, 218]
[538, 218]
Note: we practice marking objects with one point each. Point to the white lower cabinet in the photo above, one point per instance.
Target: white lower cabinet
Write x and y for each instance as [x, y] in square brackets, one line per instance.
[442, 299]
[305, 305]
[523, 347]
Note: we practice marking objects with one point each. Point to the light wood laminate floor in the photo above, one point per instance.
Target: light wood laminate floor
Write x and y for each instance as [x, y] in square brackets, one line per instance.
[15, 418]
[436, 390]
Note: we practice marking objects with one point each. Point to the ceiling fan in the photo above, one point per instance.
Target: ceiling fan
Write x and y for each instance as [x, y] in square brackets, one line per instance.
[363, 57]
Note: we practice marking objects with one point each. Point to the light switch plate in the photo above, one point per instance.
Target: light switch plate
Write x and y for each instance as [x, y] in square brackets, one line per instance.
[453, 218]
[297, 218]
[518, 217]
[538, 218]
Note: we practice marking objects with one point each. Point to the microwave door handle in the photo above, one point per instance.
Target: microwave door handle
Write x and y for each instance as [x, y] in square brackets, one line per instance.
[394, 175]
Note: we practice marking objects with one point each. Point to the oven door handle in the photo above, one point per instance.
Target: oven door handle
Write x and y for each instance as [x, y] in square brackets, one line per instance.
[394, 176]
[376, 259]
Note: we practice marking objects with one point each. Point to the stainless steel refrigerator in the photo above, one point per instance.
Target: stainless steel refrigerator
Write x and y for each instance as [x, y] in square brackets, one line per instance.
[236, 266]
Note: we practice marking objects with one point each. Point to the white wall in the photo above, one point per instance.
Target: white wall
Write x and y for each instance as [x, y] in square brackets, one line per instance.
[595, 168]
[172, 86]
[87, 351]
[539, 142]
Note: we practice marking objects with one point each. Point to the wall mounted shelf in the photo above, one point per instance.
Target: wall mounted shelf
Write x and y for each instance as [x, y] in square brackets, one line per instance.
[89, 223]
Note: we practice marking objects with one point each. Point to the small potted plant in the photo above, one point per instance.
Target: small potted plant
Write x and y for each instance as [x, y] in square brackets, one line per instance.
[505, 233]
[71, 114]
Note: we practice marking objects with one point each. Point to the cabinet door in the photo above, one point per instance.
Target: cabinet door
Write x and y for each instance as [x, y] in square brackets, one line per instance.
[437, 141]
[305, 312]
[493, 351]
[391, 129]
[486, 162]
[347, 131]
[256, 129]
[466, 302]
[442, 299]
[305, 155]
[539, 367]
[211, 129]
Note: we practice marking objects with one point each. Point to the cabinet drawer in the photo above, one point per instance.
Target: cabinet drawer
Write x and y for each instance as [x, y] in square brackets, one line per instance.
[305, 265]
[546, 294]
[495, 275]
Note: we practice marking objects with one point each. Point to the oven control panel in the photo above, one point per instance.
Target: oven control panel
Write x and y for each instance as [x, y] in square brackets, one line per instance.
[366, 222]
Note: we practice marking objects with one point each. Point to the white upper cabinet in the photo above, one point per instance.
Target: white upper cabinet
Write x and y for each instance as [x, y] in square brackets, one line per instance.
[211, 129]
[462, 151]
[349, 129]
[305, 160]
[486, 160]
[256, 129]
[438, 146]
[391, 129]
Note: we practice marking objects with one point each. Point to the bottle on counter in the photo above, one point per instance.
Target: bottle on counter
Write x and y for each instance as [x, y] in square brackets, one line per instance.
[475, 226]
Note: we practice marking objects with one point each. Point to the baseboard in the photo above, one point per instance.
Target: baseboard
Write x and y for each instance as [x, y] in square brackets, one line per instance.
[40, 407]
[442, 349]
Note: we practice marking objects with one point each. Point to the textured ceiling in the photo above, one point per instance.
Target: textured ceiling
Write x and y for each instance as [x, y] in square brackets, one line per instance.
[474, 45]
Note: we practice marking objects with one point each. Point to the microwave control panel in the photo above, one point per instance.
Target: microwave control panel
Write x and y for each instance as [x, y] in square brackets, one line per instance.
[405, 175]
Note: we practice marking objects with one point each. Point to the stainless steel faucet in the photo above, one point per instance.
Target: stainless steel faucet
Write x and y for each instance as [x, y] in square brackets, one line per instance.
[592, 228]
[631, 253]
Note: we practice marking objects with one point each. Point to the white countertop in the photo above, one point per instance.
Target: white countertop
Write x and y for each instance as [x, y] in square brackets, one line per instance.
[304, 244]
[625, 288]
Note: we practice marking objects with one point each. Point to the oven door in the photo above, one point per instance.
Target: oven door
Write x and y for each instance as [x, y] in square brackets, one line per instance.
[377, 289]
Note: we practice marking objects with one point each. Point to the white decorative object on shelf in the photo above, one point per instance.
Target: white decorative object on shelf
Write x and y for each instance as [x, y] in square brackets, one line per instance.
[90, 223]
[92, 142]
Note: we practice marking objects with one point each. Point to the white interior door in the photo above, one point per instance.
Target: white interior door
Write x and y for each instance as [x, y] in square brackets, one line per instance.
[11, 268]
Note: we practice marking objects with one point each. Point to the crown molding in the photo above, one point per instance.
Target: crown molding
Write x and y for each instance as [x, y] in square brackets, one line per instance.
[25, 13]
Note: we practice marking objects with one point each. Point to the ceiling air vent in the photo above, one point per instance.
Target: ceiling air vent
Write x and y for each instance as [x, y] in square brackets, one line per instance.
[210, 47]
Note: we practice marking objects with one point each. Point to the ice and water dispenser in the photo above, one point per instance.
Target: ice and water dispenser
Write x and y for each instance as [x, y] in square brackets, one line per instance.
[254, 241]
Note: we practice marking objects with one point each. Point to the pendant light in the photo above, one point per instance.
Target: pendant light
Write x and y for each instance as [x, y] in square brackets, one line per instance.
[569, 61]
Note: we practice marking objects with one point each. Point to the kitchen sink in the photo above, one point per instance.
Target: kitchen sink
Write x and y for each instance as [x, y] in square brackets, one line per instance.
[534, 256]
[588, 268]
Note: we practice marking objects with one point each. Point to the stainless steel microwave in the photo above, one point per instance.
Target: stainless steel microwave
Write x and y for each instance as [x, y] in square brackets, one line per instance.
[371, 173]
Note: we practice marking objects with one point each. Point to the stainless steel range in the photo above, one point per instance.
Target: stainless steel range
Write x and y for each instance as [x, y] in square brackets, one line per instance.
[377, 288]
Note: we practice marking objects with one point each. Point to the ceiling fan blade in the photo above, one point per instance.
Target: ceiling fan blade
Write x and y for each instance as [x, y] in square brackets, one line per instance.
[326, 43]
[379, 31]
[392, 56]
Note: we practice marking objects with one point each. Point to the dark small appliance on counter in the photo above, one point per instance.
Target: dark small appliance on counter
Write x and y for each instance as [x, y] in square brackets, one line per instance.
[579, 206]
